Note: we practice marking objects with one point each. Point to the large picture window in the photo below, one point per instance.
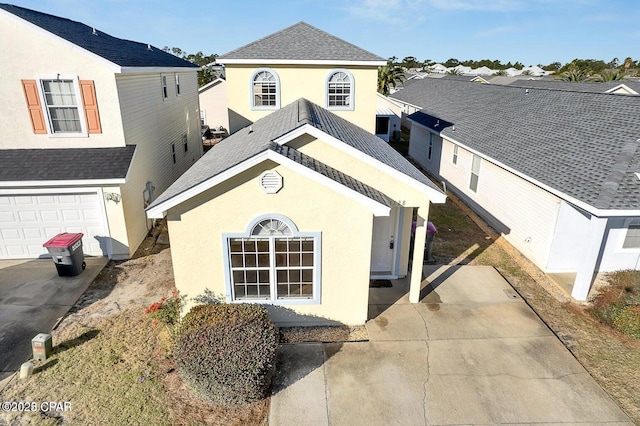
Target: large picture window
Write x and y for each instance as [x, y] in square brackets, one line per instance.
[340, 90]
[62, 106]
[265, 90]
[274, 263]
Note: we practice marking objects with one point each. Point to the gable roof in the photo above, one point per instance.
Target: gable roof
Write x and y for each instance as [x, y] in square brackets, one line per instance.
[124, 53]
[582, 146]
[263, 135]
[28, 167]
[300, 43]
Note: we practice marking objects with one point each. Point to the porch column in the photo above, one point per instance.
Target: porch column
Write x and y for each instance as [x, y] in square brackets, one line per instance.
[590, 254]
[419, 240]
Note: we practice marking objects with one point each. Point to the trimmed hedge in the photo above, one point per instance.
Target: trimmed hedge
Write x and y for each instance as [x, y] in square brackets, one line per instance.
[226, 353]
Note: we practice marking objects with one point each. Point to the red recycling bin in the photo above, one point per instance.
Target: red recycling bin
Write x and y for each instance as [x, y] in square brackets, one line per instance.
[67, 254]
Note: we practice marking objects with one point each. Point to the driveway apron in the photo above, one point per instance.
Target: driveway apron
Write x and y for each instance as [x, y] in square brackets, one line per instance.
[472, 352]
[32, 300]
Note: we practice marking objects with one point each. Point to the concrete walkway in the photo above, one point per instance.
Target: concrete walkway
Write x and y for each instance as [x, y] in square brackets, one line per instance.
[472, 352]
[32, 300]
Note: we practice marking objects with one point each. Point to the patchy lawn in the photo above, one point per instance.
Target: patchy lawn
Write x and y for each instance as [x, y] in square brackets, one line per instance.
[112, 364]
[612, 358]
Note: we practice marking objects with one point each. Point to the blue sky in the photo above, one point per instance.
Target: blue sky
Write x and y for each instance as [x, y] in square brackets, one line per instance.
[530, 31]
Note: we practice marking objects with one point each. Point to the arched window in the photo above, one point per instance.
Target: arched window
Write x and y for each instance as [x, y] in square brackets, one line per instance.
[340, 90]
[265, 90]
[273, 262]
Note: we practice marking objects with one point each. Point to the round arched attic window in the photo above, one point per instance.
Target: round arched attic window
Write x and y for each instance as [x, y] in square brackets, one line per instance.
[271, 182]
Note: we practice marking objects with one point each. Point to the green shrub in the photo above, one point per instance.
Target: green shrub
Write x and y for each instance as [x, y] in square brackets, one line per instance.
[628, 321]
[167, 310]
[226, 353]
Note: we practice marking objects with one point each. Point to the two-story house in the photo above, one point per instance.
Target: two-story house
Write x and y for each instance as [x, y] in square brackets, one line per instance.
[93, 129]
[303, 205]
[301, 61]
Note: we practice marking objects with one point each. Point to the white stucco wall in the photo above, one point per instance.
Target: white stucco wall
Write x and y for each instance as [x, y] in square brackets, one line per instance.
[566, 251]
[614, 257]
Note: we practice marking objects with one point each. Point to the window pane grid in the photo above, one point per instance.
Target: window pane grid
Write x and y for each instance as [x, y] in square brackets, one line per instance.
[632, 239]
[287, 261]
[265, 89]
[62, 106]
[339, 90]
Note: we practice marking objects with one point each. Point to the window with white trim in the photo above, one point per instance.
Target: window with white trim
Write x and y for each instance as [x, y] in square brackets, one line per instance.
[177, 84]
[62, 106]
[165, 92]
[340, 90]
[632, 238]
[454, 159]
[264, 90]
[274, 262]
[173, 153]
[475, 173]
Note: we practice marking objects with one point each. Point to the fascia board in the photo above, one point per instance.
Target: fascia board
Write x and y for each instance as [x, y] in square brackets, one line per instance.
[298, 62]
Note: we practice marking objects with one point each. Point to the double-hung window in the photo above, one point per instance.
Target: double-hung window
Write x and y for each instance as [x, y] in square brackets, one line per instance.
[454, 159]
[632, 237]
[475, 173]
[430, 149]
[273, 263]
[340, 90]
[62, 106]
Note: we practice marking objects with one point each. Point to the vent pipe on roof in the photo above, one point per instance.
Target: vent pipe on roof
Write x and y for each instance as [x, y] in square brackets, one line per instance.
[93, 31]
[148, 47]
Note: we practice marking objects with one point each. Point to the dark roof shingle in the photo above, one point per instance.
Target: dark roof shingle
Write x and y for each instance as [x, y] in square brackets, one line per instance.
[121, 52]
[24, 165]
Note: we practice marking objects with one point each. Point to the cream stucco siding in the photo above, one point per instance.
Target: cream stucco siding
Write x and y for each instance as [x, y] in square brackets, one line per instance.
[196, 228]
[153, 125]
[44, 56]
[298, 81]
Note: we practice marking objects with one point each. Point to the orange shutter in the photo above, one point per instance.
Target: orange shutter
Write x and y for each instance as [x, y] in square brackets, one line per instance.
[35, 109]
[90, 104]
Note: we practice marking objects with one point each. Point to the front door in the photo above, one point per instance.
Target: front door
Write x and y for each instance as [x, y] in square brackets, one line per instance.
[384, 244]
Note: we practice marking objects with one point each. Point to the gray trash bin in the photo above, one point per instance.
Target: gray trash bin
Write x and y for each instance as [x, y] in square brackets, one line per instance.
[431, 234]
[67, 254]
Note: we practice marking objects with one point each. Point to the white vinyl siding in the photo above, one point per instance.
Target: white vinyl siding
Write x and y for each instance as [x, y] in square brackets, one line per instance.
[475, 173]
[153, 125]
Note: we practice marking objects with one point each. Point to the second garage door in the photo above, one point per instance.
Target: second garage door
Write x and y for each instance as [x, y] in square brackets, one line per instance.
[28, 220]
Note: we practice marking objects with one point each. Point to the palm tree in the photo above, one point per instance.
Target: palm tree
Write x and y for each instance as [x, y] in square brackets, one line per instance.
[607, 75]
[389, 76]
[500, 72]
[454, 71]
[628, 63]
[573, 74]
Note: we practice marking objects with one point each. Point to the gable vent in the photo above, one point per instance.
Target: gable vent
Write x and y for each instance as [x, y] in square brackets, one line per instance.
[271, 182]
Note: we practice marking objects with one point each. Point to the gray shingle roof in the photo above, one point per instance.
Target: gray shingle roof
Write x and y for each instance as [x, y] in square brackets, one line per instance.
[333, 174]
[259, 137]
[589, 87]
[301, 42]
[23, 165]
[121, 52]
[584, 145]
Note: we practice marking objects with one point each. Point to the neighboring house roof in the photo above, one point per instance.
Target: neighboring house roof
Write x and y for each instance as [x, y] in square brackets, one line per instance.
[300, 42]
[124, 53]
[263, 135]
[578, 86]
[211, 84]
[19, 167]
[581, 146]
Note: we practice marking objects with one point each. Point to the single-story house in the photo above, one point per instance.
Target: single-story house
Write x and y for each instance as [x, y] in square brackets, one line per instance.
[298, 211]
[555, 171]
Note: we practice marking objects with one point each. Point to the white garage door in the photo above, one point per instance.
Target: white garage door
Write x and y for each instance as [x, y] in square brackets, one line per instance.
[27, 221]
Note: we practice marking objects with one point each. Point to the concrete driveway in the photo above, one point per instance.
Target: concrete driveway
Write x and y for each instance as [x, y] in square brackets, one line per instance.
[32, 300]
[472, 352]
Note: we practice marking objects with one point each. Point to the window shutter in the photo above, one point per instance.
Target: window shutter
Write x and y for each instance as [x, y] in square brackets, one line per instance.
[90, 104]
[35, 109]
